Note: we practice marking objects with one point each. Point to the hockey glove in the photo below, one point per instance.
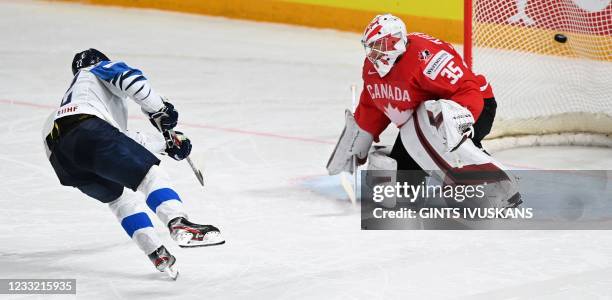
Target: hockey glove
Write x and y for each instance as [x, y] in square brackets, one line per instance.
[457, 126]
[165, 118]
[178, 146]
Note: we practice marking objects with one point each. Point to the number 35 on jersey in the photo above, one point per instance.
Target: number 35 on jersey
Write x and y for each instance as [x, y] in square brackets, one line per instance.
[442, 65]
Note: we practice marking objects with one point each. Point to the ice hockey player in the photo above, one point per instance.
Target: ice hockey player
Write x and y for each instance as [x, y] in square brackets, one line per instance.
[90, 148]
[421, 84]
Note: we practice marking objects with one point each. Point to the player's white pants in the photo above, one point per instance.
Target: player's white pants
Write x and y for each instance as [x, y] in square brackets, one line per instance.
[130, 213]
[424, 139]
[161, 197]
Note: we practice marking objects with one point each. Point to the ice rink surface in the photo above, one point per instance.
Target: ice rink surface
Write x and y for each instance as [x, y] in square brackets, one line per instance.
[263, 105]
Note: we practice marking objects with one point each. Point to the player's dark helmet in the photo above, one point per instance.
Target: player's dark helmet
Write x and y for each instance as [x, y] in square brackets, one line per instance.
[87, 58]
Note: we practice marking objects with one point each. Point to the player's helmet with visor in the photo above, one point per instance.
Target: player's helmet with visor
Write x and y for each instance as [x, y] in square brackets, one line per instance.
[87, 58]
[384, 41]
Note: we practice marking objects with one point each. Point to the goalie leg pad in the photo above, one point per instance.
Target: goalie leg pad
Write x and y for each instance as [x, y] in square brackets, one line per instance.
[353, 141]
[436, 128]
[378, 160]
[429, 138]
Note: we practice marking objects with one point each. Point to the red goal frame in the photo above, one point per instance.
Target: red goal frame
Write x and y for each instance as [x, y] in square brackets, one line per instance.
[467, 32]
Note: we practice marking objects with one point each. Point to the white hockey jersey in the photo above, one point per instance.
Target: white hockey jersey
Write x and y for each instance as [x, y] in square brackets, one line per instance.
[102, 90]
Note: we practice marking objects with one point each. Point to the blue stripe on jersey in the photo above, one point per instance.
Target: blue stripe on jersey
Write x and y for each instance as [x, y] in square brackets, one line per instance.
[114, 71]
[157, 197]
[136, 221]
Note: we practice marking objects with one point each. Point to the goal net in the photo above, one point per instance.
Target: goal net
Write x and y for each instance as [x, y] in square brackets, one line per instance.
[550, 65]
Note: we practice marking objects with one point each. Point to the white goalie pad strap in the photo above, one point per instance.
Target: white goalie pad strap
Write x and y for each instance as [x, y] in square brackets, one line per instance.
[353, 141]
[423, 137]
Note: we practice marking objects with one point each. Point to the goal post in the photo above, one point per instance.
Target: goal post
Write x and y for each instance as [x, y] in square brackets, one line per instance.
[550, 66]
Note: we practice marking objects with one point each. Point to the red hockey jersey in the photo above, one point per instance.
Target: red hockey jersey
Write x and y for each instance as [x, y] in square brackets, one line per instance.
[430, 69]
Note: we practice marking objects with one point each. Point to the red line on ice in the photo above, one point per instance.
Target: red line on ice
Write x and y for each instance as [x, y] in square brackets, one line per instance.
[195, 125]
[23, 103]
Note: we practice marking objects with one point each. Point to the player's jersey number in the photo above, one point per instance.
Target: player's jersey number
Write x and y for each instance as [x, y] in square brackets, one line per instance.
[68, 95]
[452, 72]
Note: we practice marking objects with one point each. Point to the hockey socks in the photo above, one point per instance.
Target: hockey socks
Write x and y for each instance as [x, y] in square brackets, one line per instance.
[136, 223]
[161, 198]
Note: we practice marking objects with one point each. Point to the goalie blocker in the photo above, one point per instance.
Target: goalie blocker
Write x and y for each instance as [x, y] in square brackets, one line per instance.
[437, 137]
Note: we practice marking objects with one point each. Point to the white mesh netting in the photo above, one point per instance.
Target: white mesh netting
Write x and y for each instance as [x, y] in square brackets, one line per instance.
[558, 91]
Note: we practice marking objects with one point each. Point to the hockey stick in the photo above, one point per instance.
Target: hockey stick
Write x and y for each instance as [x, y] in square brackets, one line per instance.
[355, 165]
[348, 188]
[171, 141]
[196, 171]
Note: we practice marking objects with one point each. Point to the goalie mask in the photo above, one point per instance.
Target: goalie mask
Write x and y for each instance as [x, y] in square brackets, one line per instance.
[384, 41]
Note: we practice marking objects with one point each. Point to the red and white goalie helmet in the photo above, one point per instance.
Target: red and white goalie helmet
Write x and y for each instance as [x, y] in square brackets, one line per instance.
[384, 41]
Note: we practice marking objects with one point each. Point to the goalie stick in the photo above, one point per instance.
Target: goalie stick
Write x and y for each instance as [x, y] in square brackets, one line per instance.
[351, 190]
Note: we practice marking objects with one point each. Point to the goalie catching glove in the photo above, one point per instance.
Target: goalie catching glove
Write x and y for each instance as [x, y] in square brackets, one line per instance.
[458, 122]
[178, 146]
[353, 141]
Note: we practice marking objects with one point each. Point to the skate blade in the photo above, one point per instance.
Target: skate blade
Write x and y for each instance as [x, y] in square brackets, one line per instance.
[172, 272]
[210, 239]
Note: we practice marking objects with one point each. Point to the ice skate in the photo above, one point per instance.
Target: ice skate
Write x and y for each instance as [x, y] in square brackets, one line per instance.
[188, 234]
[164, 262]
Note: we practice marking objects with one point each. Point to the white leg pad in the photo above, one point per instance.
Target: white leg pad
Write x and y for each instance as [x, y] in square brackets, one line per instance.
[379, 161]
[424, 140]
